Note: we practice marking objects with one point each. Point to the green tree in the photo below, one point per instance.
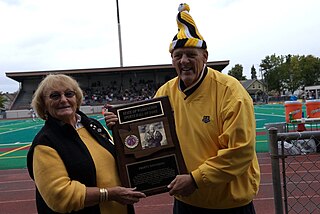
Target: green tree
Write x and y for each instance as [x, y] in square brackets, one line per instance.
[310, 70]
[2, 100]
[273, 73]
[253, 72]
[237, 72]
[292, 73]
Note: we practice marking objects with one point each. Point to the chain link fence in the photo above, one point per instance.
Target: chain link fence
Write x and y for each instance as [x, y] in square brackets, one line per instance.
[295, 159]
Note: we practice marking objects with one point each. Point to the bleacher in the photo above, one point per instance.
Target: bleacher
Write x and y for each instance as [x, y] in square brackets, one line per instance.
[22, 101]
[99, 94]
[100, 85]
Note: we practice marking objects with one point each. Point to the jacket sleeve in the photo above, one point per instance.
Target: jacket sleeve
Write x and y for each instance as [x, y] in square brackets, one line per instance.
[59, 192]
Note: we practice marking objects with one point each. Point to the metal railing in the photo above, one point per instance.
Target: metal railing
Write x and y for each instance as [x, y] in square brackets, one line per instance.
[295, 160]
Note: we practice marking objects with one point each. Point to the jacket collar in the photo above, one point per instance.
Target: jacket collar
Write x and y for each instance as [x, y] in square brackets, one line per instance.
[188, 91]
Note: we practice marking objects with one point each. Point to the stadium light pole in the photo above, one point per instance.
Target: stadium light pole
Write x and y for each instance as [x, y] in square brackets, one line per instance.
[119, 35]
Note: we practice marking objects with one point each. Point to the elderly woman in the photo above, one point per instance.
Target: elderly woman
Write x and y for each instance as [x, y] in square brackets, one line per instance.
[72, 158]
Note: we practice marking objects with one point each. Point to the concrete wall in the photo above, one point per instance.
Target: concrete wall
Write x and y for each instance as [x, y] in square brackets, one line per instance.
[91, 109]
[11, 114]
[16, 114]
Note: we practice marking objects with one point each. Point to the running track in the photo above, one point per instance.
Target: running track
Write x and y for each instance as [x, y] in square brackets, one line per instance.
[17, 193]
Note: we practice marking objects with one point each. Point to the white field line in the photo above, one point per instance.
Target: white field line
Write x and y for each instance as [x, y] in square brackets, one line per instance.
[271, 115]
[15, 144]
[16, 130]
[13, 124]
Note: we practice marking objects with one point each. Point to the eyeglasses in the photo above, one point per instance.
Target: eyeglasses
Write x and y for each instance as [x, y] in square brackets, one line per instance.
[57, 96]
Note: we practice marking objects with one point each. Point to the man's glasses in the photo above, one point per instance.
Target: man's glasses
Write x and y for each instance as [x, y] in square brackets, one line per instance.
[57, 96]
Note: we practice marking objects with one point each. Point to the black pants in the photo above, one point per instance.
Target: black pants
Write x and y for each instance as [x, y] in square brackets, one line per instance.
[183, 208]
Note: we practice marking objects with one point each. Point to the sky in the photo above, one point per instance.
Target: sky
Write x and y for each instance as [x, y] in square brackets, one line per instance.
[41, 35]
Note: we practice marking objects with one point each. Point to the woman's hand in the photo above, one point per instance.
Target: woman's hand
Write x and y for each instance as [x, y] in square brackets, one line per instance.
[109, 116]
[124, 195]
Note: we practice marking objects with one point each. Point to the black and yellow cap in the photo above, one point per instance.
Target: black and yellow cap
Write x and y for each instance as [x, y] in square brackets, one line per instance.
[188, 34]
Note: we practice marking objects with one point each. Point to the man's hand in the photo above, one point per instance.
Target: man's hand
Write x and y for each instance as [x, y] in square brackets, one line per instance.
[109, 117]
[182, 185]
[125, 195]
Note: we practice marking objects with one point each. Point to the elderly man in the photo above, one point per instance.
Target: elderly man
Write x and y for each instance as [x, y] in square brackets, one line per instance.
[215, 125]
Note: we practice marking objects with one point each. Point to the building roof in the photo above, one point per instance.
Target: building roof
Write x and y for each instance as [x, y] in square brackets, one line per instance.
[20, 76]
[246, 83]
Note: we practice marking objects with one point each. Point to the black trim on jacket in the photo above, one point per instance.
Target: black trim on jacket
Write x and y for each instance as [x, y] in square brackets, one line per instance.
[191, 90]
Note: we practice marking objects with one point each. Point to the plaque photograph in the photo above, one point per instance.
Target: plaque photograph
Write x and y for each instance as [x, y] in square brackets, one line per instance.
[148, 151]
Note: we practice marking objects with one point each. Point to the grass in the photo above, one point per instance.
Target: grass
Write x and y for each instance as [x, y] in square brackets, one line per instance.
[17, 135]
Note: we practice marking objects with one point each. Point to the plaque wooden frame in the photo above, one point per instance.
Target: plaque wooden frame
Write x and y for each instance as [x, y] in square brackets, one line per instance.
[147, 161]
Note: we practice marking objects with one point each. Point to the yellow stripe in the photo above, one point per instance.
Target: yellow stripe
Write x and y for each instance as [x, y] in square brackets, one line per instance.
[13, 157]
[11, 151]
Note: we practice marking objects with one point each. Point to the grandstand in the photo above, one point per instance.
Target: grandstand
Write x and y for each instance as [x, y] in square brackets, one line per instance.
[100, 85]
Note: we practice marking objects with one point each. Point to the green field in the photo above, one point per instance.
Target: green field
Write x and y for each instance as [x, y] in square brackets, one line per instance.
[17, 135]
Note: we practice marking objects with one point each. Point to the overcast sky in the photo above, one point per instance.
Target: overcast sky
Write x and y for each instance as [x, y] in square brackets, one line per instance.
[74, 34]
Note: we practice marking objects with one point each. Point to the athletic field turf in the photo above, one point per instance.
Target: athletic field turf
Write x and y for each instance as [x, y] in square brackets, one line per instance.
[16, 135]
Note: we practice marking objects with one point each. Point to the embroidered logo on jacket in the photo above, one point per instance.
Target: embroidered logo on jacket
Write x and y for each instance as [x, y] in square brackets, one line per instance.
[206, 119]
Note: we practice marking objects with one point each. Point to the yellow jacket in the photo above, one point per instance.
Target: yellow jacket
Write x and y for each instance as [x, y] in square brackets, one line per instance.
[65, 195]
[216, 129]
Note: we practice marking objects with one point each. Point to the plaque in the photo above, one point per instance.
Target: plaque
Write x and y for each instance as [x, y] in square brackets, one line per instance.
[148, 151]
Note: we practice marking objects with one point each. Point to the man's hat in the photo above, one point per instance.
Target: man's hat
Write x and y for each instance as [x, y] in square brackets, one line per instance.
[188, 34]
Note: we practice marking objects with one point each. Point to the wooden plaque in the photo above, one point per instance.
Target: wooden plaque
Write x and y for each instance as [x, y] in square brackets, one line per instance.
[148, 151]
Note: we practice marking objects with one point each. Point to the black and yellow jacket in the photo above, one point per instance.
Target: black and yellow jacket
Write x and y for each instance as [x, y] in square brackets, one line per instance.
[64, 161]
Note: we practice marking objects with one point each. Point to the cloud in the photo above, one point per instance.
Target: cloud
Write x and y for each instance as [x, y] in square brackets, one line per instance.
[46, 35]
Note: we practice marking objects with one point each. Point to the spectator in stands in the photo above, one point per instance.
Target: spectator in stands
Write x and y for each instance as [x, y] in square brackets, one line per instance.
[215, 125]
[72, 158]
